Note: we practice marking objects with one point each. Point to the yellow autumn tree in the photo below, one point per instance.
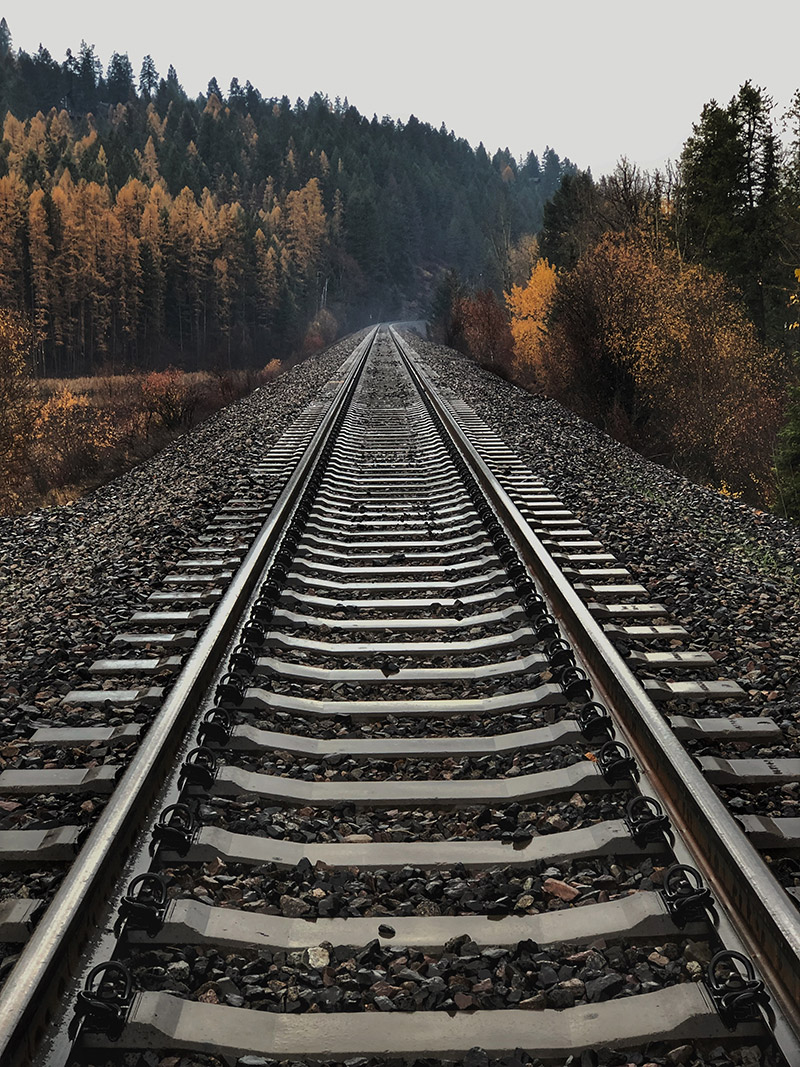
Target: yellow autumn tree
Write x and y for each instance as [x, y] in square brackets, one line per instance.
[662, 354]
[153, 239]
[187, 234]
[148, 160]
[305, 227]
[529, 306]
[266, 278]
[41, 253]
[68, 435]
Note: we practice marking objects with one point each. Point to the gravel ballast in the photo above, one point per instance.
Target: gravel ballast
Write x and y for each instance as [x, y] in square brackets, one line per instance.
[71, 576]
[728, 572]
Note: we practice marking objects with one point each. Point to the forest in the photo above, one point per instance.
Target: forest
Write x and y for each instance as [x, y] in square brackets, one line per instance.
[664, 307]
[140, 228]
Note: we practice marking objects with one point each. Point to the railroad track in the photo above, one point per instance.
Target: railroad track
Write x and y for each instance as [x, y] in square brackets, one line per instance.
[399, 736]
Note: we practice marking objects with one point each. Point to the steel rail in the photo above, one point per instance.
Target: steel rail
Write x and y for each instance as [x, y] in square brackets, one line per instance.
[46, 964]
[757, 907]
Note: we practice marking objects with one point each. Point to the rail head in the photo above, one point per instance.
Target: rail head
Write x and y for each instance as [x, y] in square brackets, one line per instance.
[757, 907]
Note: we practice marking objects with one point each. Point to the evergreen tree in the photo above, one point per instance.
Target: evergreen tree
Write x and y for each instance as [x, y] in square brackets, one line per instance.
[148, 78]
[5, 39]
[729, 213]
[119, 79]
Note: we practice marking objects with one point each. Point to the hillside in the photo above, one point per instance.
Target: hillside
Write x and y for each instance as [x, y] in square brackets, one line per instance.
[139, 226]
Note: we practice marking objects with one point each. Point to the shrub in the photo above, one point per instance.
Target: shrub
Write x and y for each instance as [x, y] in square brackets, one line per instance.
[168, 397]
[321, 332]
[485, 329]
[269, 372]
[662, 355]
[69, 439]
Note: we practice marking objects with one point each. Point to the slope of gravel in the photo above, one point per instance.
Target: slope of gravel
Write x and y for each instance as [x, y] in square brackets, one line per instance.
[70, 576]
[728, 572]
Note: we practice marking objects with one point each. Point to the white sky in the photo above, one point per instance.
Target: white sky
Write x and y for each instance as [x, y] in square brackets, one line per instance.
[595, 80]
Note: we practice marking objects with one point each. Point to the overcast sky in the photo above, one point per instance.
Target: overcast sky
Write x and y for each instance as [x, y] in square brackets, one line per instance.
[593, 80]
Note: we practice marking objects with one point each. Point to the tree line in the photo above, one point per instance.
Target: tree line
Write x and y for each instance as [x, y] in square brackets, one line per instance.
[139, 226]
[664, 306]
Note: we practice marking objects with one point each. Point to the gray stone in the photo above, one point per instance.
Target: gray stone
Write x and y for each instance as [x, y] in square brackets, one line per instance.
[294, 908]
[605, 987]
[699, 951]
[680, 1054]
[226, 987]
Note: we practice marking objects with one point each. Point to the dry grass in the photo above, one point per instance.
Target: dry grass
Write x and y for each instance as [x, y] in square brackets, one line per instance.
[80, 432]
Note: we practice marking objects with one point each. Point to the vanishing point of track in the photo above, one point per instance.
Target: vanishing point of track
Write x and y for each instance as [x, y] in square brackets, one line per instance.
[400, 638]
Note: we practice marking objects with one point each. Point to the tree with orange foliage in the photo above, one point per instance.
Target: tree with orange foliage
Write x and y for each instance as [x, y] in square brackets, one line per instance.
[41, 253]
[529, 306]
[305, 228]
[68, 436]
[663, 355]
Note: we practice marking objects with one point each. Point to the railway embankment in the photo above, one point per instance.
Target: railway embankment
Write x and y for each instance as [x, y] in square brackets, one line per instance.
[728, 572]
[70, 576]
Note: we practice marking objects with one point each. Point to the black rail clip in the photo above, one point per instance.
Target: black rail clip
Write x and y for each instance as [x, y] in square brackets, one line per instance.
[596, 722]
[253, 635]
[215, 729]
[616, 762]
[516, 571]
[103, 1003]
[174, 829]
[262, 612]
[271, 589]
[242, 659]
[524, 587]
[686, 897]
[734, 988]
[199, 768]
[544, 625]
[283, 560]
[646, 821]
[231, 688]
[575, 683]
[533, 605]
[144, 905]
[559, 654]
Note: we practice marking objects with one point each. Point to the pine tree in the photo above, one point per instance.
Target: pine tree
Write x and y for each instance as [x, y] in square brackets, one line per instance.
[119, 79]
[5, 39]
[148, 78]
